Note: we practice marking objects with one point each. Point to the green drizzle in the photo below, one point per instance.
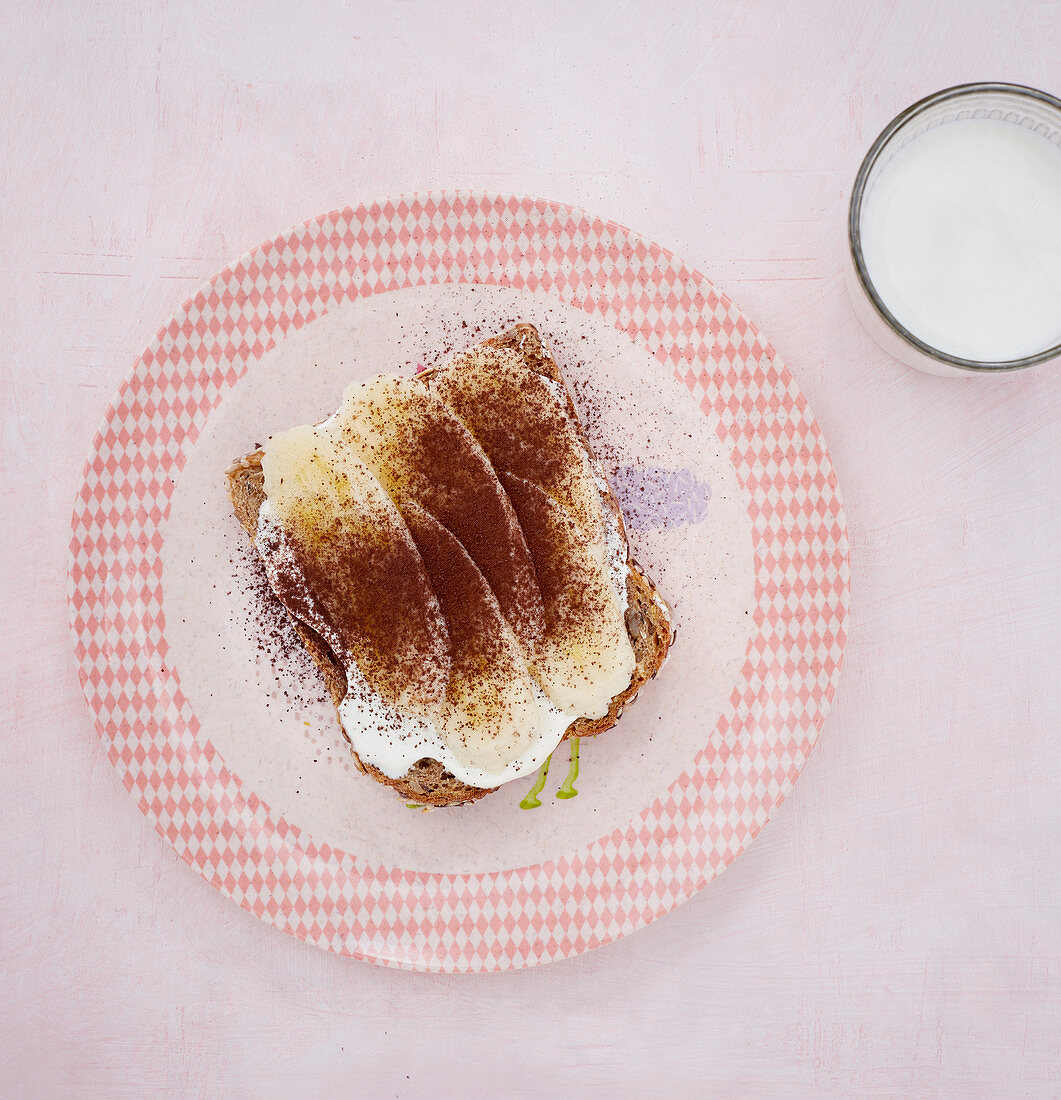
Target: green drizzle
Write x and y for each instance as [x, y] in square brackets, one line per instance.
[567, 790]
[532, 801]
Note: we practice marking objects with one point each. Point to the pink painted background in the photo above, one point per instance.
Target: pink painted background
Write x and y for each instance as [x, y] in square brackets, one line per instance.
[896, 930]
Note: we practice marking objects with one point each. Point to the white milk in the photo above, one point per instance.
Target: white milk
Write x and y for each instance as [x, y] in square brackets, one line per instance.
[961, 236]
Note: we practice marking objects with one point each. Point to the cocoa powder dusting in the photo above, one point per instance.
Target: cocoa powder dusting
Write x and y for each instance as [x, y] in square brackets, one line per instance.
[369, 590]
[470, 609]
[489, 687]
[514, 417]
[426, 455]
[268, 626]
[572, 607]
[521, 425]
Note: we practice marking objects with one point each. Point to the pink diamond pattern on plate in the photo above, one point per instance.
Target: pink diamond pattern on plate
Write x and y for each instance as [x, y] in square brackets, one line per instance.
[521, 916]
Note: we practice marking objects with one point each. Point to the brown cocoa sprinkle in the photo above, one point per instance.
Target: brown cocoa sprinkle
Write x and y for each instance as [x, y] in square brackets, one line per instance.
[521, 424]
[573, 607]
[365, 587]
[426, 455]
[472, 613]
[269, 628]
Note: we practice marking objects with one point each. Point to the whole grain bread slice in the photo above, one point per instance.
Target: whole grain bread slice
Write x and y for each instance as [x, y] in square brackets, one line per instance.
[648, 619]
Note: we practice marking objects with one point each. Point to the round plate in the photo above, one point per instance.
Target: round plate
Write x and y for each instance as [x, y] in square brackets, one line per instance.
[487, 914]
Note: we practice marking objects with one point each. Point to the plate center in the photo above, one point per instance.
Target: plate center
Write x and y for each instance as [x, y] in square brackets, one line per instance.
[258, 697]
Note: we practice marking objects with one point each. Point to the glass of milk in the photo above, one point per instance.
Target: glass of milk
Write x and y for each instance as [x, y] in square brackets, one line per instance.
[955, 232]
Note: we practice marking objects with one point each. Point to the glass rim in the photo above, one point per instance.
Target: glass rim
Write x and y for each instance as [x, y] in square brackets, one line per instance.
[854, 234]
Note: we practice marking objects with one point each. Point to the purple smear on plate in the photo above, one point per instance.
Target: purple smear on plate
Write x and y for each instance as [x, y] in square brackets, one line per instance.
[655, 498]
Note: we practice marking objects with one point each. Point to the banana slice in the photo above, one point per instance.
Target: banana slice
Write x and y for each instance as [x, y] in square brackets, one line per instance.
[357, 576]
[491, 715]
[584, 658]
[421, 452]
[524, 428]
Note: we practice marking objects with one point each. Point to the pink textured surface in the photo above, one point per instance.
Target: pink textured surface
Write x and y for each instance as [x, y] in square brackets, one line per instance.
[895, 929]
[525, 914]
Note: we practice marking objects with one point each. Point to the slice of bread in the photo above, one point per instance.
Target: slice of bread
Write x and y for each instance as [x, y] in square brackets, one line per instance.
[648, 619]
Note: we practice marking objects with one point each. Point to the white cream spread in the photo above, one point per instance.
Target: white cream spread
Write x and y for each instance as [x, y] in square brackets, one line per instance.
[394, 742]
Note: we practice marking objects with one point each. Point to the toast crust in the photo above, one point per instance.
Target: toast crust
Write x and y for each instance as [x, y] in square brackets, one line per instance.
[648, 619]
